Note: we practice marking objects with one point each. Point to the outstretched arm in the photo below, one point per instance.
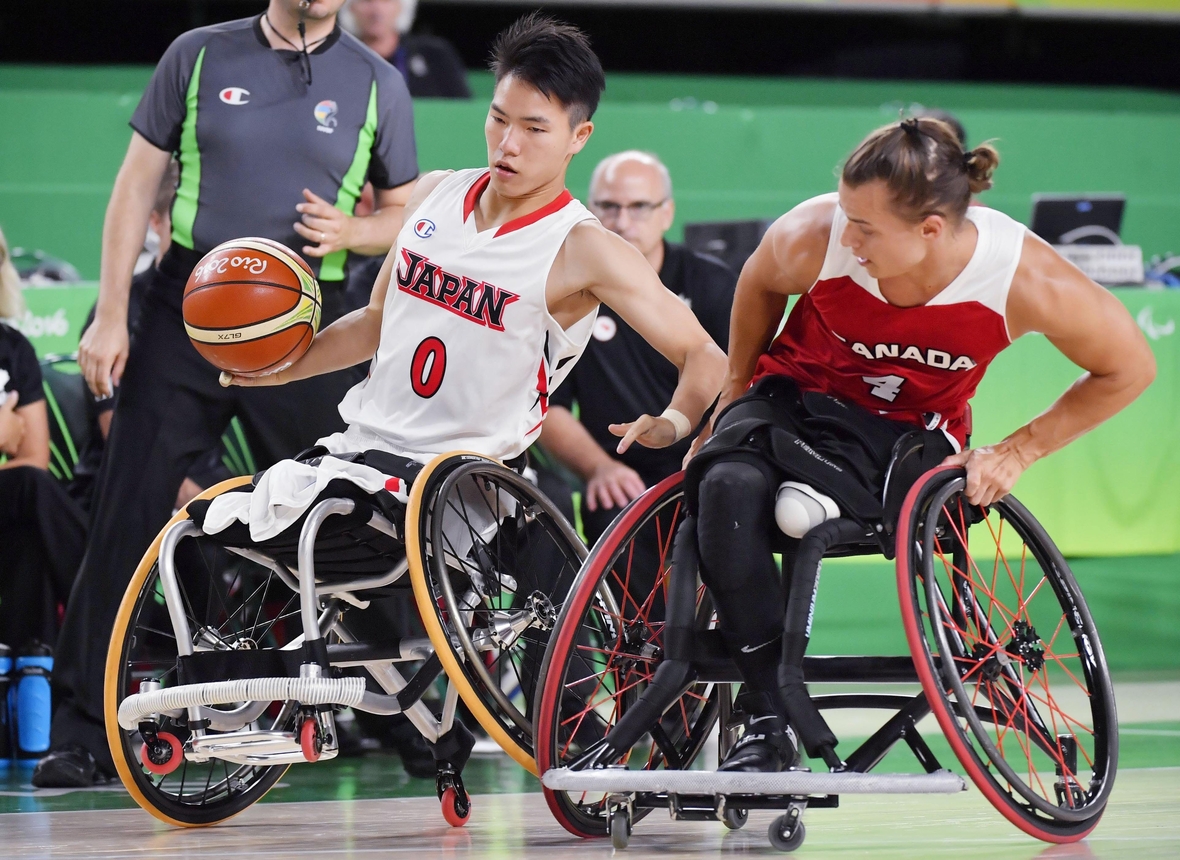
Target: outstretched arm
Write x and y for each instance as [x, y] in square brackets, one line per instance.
[355, 336]
[1093, 330]
[597, 266]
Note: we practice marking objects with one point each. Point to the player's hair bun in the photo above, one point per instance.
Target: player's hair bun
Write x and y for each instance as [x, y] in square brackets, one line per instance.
[981, 163]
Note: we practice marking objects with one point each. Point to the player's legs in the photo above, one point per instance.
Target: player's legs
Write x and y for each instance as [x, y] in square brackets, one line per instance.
[734, 529]
[170, 410]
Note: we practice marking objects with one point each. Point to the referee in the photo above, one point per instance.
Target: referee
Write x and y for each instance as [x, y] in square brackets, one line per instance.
[277, 122]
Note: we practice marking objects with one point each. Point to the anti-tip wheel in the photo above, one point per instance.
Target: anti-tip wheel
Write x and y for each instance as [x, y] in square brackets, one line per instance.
[620, 830]
[779, 838]
[735, 819]
[456, 807]
[309, 739]
[164, 756]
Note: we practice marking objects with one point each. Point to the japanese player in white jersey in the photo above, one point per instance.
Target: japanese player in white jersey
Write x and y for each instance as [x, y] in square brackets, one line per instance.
[491, 291]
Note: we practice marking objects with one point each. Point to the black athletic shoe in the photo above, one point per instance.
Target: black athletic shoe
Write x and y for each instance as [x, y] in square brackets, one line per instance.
[72, 766]
[767, 744]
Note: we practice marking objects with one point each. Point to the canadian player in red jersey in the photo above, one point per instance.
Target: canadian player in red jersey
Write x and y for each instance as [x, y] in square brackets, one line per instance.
[906, 294]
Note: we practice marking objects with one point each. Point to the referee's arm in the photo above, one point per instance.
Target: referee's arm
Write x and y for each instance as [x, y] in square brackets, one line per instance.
[102, 353]
[332, 230]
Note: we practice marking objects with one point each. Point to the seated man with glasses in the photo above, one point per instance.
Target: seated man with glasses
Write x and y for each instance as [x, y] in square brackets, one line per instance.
[631, 193]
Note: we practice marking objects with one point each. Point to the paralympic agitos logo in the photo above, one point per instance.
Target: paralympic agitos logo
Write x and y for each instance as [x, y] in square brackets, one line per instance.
[477, 301]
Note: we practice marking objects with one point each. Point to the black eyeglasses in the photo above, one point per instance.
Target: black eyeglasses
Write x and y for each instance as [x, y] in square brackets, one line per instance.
[639, 211]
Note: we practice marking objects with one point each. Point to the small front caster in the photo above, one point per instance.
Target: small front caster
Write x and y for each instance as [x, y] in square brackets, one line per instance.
[735, 819]
[785, 835]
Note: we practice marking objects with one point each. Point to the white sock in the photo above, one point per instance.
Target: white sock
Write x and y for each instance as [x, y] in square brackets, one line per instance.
[799, 508]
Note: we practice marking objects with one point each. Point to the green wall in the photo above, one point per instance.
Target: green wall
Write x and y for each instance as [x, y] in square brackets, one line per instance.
[737, 148]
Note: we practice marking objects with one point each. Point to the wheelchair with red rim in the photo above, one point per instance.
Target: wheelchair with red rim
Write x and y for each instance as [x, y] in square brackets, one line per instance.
[1005, 651]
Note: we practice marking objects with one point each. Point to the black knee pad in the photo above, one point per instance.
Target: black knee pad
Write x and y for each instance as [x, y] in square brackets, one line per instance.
[735, 512]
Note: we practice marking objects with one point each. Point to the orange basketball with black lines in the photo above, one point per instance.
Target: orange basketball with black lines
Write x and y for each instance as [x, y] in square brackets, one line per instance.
[251, 306]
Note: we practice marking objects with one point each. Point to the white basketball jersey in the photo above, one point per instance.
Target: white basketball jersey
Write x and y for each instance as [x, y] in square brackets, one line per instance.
[469, 353]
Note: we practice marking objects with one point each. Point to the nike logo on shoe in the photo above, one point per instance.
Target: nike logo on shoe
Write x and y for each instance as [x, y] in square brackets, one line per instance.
[760, 719]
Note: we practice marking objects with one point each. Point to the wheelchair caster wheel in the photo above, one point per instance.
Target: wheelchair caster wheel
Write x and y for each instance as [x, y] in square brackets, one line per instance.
[163, 755]
[735, 819]
[309, 739]
[783, 837]
[456, 807]
[620, 829]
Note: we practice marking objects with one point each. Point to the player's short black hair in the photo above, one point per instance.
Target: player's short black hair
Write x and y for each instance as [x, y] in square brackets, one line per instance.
[554, 57]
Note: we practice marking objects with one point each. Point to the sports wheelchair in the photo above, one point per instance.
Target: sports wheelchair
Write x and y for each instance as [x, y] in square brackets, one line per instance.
[1006, 653]
[229, 658]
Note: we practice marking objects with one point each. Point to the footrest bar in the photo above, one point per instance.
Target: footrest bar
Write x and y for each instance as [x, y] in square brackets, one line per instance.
[619, 781]
[308, 691]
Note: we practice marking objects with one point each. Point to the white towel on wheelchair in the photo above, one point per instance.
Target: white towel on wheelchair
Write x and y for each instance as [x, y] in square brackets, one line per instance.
[284, 492]
[288, 488]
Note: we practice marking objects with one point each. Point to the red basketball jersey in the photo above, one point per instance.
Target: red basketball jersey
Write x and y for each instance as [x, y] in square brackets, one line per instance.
[919, 365]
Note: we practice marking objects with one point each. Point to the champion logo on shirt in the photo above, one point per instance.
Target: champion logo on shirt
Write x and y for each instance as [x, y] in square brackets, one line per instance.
[424, 228]
[479, 302]
[325, 115]
[234, 96]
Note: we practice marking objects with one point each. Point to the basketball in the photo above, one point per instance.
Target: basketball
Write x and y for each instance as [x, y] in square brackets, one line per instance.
[251, 306]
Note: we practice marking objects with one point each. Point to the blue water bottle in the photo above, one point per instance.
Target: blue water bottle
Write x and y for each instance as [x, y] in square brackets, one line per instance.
[5, 719]
[33, 711]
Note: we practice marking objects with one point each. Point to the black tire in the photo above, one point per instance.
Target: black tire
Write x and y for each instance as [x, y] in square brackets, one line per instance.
[609, 639]
[232, 600]
[522, 560]
[989, 595]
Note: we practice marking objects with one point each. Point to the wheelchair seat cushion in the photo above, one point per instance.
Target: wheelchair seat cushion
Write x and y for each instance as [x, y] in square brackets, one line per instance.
[837, 447]
[345, 545]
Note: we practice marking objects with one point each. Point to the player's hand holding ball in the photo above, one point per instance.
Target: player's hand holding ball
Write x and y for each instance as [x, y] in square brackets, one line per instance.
[252, 308]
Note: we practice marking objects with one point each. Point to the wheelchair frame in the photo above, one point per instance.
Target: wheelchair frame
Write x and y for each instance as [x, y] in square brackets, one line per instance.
[700, 657]
[302, 680]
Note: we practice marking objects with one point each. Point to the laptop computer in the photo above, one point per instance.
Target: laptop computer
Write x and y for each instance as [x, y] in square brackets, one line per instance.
[1078, 219]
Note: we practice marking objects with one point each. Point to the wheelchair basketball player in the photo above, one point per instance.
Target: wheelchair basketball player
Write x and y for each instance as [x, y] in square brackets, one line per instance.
[490, 293]
[906, 293]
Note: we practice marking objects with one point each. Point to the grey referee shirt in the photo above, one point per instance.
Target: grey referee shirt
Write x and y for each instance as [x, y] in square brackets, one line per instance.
[251, 134]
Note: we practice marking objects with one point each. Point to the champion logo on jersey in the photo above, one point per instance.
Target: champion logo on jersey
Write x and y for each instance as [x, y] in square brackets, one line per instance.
[424, 228]
[325, 115]
[234, 96]
[477, 301]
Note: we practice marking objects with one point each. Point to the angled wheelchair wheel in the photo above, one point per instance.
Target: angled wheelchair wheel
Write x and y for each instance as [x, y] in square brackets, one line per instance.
[492, 561]
[605, 651]
[1008, 656]
[230, 603]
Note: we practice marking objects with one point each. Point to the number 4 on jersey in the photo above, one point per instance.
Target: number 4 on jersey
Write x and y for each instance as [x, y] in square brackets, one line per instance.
[885, 387]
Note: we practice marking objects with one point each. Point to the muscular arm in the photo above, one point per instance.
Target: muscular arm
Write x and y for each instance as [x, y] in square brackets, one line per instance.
[786, 263]
[102, 353]
[1093, 330]
[355, 336]
[595, 265]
